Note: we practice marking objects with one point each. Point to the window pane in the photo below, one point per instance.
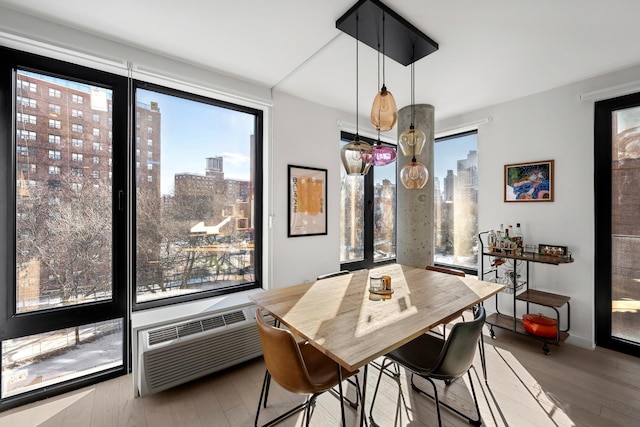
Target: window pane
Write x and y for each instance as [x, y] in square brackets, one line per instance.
[42, 360]
[351, 217]
[456, 197]
[63, 228]
[625, 224]
[194, 196]
[384, 214]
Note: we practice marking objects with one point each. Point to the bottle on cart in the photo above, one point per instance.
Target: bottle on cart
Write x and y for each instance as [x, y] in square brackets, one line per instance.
[499, 237]
[492, 240]
[517, 237]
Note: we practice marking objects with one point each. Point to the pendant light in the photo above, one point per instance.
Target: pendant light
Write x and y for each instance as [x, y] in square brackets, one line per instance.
[384, 113]
[382, 154]
[412, 140]
[357, 155]
[414, 175]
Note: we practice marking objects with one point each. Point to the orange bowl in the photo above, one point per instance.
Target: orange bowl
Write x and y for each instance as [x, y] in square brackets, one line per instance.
[540, 325]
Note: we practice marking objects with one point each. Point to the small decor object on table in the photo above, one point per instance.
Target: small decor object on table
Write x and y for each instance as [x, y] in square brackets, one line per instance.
[307, 201]
[529, 182]
[553, 250]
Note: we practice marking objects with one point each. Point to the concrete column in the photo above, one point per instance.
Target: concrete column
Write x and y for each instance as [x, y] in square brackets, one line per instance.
[415, 226]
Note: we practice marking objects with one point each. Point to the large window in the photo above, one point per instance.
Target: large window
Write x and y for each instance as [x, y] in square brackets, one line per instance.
[367, 216]
[455, 178]
[196, 198]
[63, 298]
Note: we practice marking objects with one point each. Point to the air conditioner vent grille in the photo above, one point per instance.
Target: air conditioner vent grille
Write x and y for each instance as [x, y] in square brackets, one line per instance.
[234, 317]
[212, 323]
[189, 328]
[163, 335]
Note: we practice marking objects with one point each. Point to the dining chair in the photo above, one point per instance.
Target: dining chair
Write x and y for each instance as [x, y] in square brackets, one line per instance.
[299, 368]
[431, 357]
[460, 273]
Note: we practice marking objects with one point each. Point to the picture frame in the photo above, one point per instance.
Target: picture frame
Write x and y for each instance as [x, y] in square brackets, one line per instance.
[529, 182]
[307, 201]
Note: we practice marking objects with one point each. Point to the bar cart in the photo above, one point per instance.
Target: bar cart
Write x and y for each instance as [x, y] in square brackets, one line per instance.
[512, 277]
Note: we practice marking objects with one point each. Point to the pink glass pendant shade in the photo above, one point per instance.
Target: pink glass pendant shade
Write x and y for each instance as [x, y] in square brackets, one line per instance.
[384, 113]
[412, 141]
[357, 157]
[414, 175]
[383, 155]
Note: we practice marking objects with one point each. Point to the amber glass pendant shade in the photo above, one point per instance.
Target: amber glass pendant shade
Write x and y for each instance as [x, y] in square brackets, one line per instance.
[414, 175]
[357, 157]
[412, 141]
[383, 155]
[384, 113]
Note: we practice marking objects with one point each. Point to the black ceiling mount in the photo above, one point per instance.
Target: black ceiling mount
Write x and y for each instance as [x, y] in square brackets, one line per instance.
[403, 43]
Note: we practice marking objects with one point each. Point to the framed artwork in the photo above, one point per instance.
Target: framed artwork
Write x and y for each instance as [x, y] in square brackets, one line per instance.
[529, 182]
[307, 201]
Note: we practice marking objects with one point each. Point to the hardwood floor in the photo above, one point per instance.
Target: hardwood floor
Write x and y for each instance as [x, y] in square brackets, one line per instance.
[570, 387]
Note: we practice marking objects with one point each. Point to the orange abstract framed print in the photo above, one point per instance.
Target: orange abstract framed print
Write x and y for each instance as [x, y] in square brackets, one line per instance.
[307, 201]
[529, 182]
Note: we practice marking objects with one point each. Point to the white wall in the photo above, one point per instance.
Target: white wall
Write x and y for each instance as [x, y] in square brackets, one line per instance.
[304, 134]
[555, 125]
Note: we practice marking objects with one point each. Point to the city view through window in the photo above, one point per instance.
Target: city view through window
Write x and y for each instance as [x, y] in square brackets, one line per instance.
[194, 196]
[455, 178]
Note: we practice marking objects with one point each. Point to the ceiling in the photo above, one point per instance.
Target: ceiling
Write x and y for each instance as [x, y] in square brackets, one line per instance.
[491, 51]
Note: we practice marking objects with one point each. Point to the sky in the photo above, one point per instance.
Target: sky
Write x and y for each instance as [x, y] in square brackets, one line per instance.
[192, 131]
[449, 151]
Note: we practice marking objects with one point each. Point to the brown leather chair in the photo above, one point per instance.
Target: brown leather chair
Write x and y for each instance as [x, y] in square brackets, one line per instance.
[298, 367]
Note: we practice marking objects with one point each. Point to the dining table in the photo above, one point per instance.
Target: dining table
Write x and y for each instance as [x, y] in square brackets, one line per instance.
[343, 319]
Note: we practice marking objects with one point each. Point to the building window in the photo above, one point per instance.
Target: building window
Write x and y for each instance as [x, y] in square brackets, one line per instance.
[26, 102]
[367, 236]
[26, 85]
[55, 93]
[54, 108]
[55, 124]
[26, 134]
[76, 171]
[96, 132]
[149, 155]
[137, 165]
[149, 178]
[96, 146]
[77, 142]
[96, 160]
[137, 152]
[54, 170]
[54, 139]
[54, 154]
[149, 142]
[77, 157]
[77, 99]
[76, 128]
[76, 113]
[149, 166]
[26, 118]
[455, 178]
[96, 118]
[95, 174]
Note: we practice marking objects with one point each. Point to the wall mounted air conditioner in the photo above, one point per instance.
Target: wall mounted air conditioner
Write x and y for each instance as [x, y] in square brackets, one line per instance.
[174, 354]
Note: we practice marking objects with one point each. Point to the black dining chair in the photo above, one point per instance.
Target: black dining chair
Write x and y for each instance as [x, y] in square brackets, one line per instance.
[434, 358]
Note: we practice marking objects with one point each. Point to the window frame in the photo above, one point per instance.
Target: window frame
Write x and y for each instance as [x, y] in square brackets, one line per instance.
[16, 325]
[257, 184]
[368, 260]
[467, 270]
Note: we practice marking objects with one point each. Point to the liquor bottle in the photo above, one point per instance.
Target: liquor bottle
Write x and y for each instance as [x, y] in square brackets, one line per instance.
[492, 240]
[517, 236]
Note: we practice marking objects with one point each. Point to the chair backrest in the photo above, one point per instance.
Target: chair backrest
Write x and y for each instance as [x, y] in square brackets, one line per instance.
[334, 274]
[446, 270]
[283, 358]
[457, 354]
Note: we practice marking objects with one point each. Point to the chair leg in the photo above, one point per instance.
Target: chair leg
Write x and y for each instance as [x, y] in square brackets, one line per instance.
[344, 422]
[476, 422]
[375, 392]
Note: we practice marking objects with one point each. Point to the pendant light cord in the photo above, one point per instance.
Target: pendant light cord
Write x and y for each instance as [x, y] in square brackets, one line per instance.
[357, 97]
[384, 79]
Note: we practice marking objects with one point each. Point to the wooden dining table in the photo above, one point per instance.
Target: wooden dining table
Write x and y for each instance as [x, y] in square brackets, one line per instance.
[353, 326]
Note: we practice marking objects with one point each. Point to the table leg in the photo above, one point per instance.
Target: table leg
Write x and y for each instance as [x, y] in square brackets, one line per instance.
[344, 422]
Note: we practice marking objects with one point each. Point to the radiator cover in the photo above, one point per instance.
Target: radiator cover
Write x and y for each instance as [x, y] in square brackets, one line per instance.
[174, 354]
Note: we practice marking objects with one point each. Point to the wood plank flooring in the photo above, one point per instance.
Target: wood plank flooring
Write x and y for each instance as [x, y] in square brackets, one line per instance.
[570, 387]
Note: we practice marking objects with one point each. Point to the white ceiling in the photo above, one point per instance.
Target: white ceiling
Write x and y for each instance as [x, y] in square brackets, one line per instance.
[491, 51]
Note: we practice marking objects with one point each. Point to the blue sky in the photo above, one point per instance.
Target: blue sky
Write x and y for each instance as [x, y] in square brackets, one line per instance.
[193, 131]
[449, 151]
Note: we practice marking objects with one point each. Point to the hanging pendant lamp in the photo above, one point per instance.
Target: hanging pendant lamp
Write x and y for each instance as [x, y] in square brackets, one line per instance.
[357, 155]
[412, 140]
[384, 112]
[414, 175]
[382, 154]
